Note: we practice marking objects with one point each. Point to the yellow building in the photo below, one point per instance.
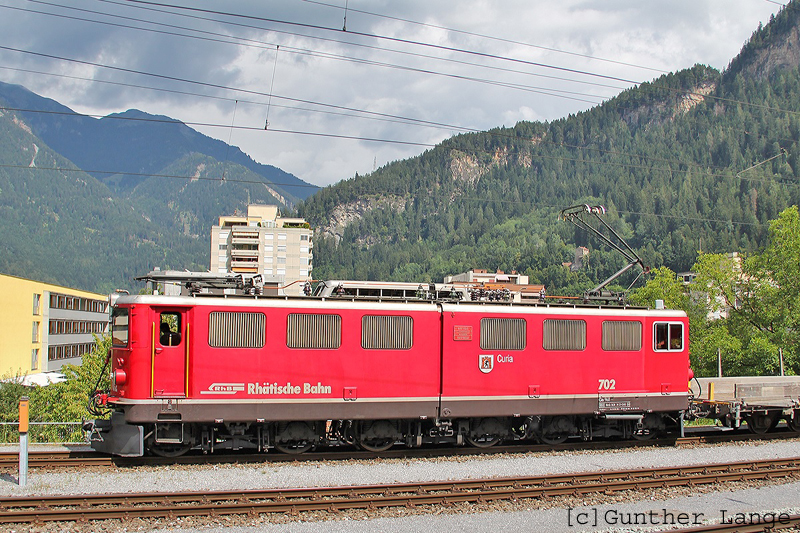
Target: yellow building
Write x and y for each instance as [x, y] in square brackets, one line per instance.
[44, 326]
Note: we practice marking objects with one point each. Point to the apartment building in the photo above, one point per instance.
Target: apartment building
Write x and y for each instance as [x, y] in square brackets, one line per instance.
[263, 242]
[44, 326]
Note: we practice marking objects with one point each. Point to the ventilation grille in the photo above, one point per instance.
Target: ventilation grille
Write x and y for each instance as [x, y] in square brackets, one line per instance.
[314, 331]
[387, 332]
[236, 330]
[621, 335]
[564, 335]
[502, 334]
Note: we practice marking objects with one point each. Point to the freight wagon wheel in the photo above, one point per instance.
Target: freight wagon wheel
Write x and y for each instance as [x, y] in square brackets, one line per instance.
[794, 423]
[555, 430]
[762, 423]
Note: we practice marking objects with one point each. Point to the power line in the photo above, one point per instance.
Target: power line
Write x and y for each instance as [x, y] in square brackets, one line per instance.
[241, 41]
[491, 37]
[474, 53]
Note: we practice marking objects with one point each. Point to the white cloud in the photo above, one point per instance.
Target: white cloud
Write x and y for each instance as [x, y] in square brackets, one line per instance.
[663, 36]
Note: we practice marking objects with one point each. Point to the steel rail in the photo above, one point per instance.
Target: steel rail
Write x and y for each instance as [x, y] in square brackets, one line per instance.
[40, 509]
[62, 459]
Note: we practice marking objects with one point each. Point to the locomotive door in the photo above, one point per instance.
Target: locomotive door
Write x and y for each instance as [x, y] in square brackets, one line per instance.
[170, 353]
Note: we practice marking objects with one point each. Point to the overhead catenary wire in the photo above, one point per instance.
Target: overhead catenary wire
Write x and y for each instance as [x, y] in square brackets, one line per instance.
[517, 86]
[469, 129]
[240, 41]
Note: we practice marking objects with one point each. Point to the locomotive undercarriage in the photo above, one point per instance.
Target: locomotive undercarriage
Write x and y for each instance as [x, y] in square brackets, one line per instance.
[173, 438]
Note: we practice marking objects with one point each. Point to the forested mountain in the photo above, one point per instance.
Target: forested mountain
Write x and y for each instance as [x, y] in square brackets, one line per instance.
[65, 227]
[695, 160]
[63, 221]
[134, 142]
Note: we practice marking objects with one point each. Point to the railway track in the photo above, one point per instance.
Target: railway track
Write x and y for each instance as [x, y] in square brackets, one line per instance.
[82, 459]
[84, 508]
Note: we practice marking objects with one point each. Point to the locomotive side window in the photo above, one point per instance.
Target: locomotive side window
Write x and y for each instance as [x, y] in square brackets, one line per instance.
[386, 332]
[314, 331]
[503, 334]
[668, 336]
[170, 329]
[236, 330]
[564, 335]
[622, 335]
[119, 326]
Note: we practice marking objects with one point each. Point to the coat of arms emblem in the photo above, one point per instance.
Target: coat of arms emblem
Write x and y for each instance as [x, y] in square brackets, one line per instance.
[486, 363]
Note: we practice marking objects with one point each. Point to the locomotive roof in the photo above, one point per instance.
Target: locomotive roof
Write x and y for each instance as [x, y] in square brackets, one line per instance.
[410, 304]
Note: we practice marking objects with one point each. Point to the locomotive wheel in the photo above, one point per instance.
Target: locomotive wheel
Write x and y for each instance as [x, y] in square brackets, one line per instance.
[294, 438]
[169, 450]
[555, 430]
[648, 430]
[483, 441]
[378, 436]
[293, 448]
[485, 434]
[762, 423]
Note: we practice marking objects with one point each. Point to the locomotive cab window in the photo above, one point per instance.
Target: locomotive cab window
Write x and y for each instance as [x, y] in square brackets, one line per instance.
[668, 336]
[170, 329]
[119, 326]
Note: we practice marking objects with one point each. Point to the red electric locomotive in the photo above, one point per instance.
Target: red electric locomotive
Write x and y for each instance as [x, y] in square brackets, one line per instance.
[250, 371]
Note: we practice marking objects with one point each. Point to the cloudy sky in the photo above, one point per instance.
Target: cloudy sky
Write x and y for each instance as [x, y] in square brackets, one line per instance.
[404, 75]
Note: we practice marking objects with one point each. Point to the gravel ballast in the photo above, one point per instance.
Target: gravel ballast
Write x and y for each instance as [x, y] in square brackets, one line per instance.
[524, 516]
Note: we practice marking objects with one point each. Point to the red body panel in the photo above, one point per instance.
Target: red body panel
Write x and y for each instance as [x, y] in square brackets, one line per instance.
[443, 364]
[276, 371]
[536, 372]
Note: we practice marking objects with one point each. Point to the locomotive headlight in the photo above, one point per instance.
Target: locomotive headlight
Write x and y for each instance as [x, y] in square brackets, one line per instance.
[120, 377]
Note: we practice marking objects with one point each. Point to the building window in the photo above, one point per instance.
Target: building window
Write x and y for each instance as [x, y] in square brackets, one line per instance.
[303, 237]
[314, 331]
[36, 303]
[282, 248]
[386, 332]
[503, 334]
[281, 260]
[668, 336]
[236, 330]
[268, 236]
[35, 359]
[281, 236]
[268, 248]
[35, 333]
[280, 271]
[622, 335]
[564, 335]
[303, 249]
